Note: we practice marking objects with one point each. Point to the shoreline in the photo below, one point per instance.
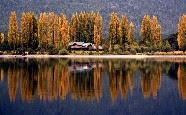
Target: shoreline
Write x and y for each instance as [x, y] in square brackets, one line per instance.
[95, 56]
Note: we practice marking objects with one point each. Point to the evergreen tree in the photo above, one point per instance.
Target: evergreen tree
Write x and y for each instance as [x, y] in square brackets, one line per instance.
[167, 46]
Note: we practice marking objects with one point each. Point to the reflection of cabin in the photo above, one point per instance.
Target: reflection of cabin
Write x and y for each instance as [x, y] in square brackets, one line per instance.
[83, 46]
[78, 67]
[83, 66]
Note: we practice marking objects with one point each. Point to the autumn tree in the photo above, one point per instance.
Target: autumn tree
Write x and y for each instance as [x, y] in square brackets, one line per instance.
[146, 30]
[113, 30]
[2, 40]
[43, 30]
[90, 26]
[156, 33]
[98, 31]
[13, 30]
[182, 33]
[73, 27]
[124, 26]
[82, 27]
[130, 35]
[83, 21]
[64, 31]
[53, 26]
[29, 30]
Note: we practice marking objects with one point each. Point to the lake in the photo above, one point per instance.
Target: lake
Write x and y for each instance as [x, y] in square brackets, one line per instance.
[92, 86]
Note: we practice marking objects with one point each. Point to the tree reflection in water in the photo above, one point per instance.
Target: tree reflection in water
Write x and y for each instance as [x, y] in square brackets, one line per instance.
[150, 78]
[182, 80]
[82, 79]
[120, 78]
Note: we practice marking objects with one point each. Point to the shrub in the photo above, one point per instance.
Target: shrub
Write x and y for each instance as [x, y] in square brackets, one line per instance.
[90, 53]
[167, 46]
[20, 51]
[63, 52]
[53, 52]
[133, 51]
[116, 49]
[31, 51]
[1, 53]
[119, 51]
[126, 53]
[138, 49]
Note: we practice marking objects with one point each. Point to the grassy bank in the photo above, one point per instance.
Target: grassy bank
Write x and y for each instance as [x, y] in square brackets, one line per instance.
[66, 52]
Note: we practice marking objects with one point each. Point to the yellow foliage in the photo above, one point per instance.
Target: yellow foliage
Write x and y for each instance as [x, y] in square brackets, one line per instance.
[182, 33]
[13, 29]
[130, 35]
[113, 29]
[98, 30]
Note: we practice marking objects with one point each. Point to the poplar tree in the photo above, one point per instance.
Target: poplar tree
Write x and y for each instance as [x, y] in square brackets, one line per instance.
[82, 27]
[113, 30]
[64, 31]
[73, 27]
[130, 35]
[13, 30]
[182, 33]
[146, 30]
[53, 25]
[98, 31]
[156, 33]
[43, 30]
[84, 23]
[2, 39]
[91, 22]
[29, 30]
[124, 26]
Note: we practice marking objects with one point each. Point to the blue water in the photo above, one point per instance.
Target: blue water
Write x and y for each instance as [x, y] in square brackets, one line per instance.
[168, 98]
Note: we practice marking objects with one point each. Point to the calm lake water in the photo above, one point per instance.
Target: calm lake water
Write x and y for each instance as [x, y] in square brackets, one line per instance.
[93, 87]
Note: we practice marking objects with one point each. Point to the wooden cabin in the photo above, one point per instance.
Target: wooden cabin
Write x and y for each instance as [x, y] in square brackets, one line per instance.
[83, 46]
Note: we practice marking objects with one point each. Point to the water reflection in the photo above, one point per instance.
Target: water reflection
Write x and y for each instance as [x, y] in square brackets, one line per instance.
[182, 80]
[82, 79]
[120, 78]
[150, 79]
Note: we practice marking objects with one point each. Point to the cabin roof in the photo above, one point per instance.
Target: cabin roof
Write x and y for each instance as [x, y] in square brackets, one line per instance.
[78, 43]
[87, 44]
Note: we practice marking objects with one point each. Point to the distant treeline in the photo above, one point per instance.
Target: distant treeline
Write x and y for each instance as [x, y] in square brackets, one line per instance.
[52, 32]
